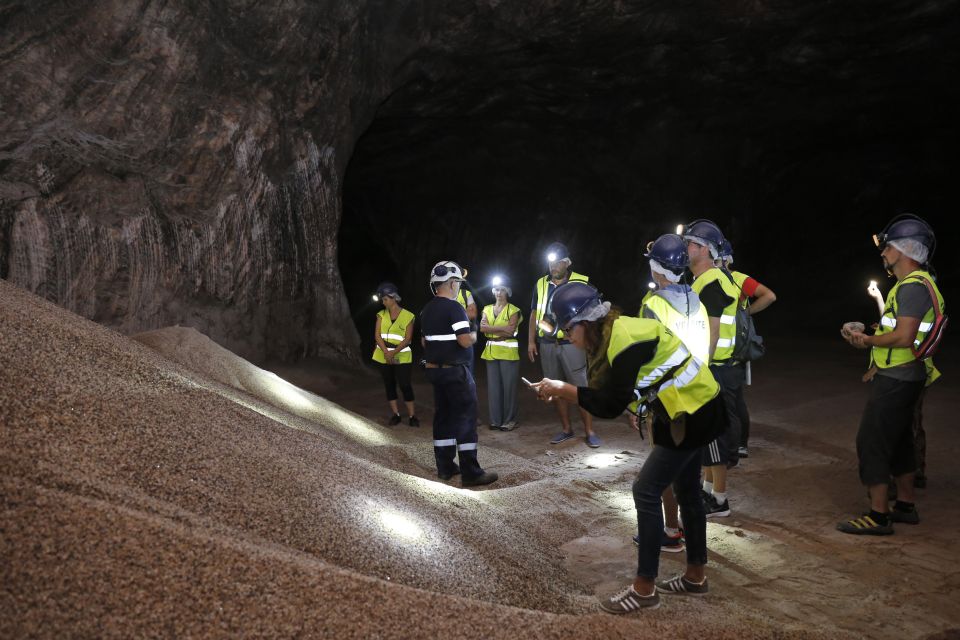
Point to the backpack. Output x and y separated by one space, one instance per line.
931 343
749 344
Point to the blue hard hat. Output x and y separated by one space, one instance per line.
559 250
704 231
572 299
906 226
726 249
670 252
388 289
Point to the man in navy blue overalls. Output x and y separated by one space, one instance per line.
448 348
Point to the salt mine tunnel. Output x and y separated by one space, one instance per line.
198 199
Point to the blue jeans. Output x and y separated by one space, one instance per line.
681 468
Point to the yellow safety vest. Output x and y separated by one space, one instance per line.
393 332
728 320
693 331
543 287
740 278
680 381
885 357
498 347
462 298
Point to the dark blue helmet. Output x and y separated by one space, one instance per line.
570 300
905 226
388 289
704 232
670 252
500 282
726 250
558 251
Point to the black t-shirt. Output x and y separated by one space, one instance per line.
441 321
714 299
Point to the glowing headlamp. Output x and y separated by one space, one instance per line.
497 281
880 240
376 298
551 257
679 229
652 285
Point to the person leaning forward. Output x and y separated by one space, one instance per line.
909 327
558 358
447 346
633 358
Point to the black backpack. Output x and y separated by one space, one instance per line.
749 344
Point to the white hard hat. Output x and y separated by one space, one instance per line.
446 270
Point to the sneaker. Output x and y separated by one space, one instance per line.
494 427
628 601
672 544
484 478
414 421
716 509
904 517
447 476
394 420
592 441
510 426
865 526
668 543
563 436
679 584
743 453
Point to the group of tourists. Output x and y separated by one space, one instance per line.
678 368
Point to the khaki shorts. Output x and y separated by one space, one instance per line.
563 362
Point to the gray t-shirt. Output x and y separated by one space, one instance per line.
913 301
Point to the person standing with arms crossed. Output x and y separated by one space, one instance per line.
559 359
499 322
393 334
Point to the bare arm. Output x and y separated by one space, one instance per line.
472 311
763 298
532 337
467 339
902 336
714 334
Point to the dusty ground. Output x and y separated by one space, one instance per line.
164 487
778 554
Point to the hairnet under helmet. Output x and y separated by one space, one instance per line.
904 228
706 233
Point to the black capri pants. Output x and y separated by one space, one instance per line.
885 439
394 374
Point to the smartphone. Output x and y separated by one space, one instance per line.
526 382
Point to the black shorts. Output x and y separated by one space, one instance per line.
885 439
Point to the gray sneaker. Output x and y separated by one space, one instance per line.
679 584
628 601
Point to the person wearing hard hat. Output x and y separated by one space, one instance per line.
559 359
393 334
754 298
720 297
636 361
447 346
675 304
499 322
909 332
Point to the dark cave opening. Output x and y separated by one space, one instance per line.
798 163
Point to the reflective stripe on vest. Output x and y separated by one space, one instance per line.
543 287
885 357
499 347
693 331
393 332
727 338
691 385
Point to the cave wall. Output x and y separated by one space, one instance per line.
184 161
179 163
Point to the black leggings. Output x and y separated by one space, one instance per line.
393 374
